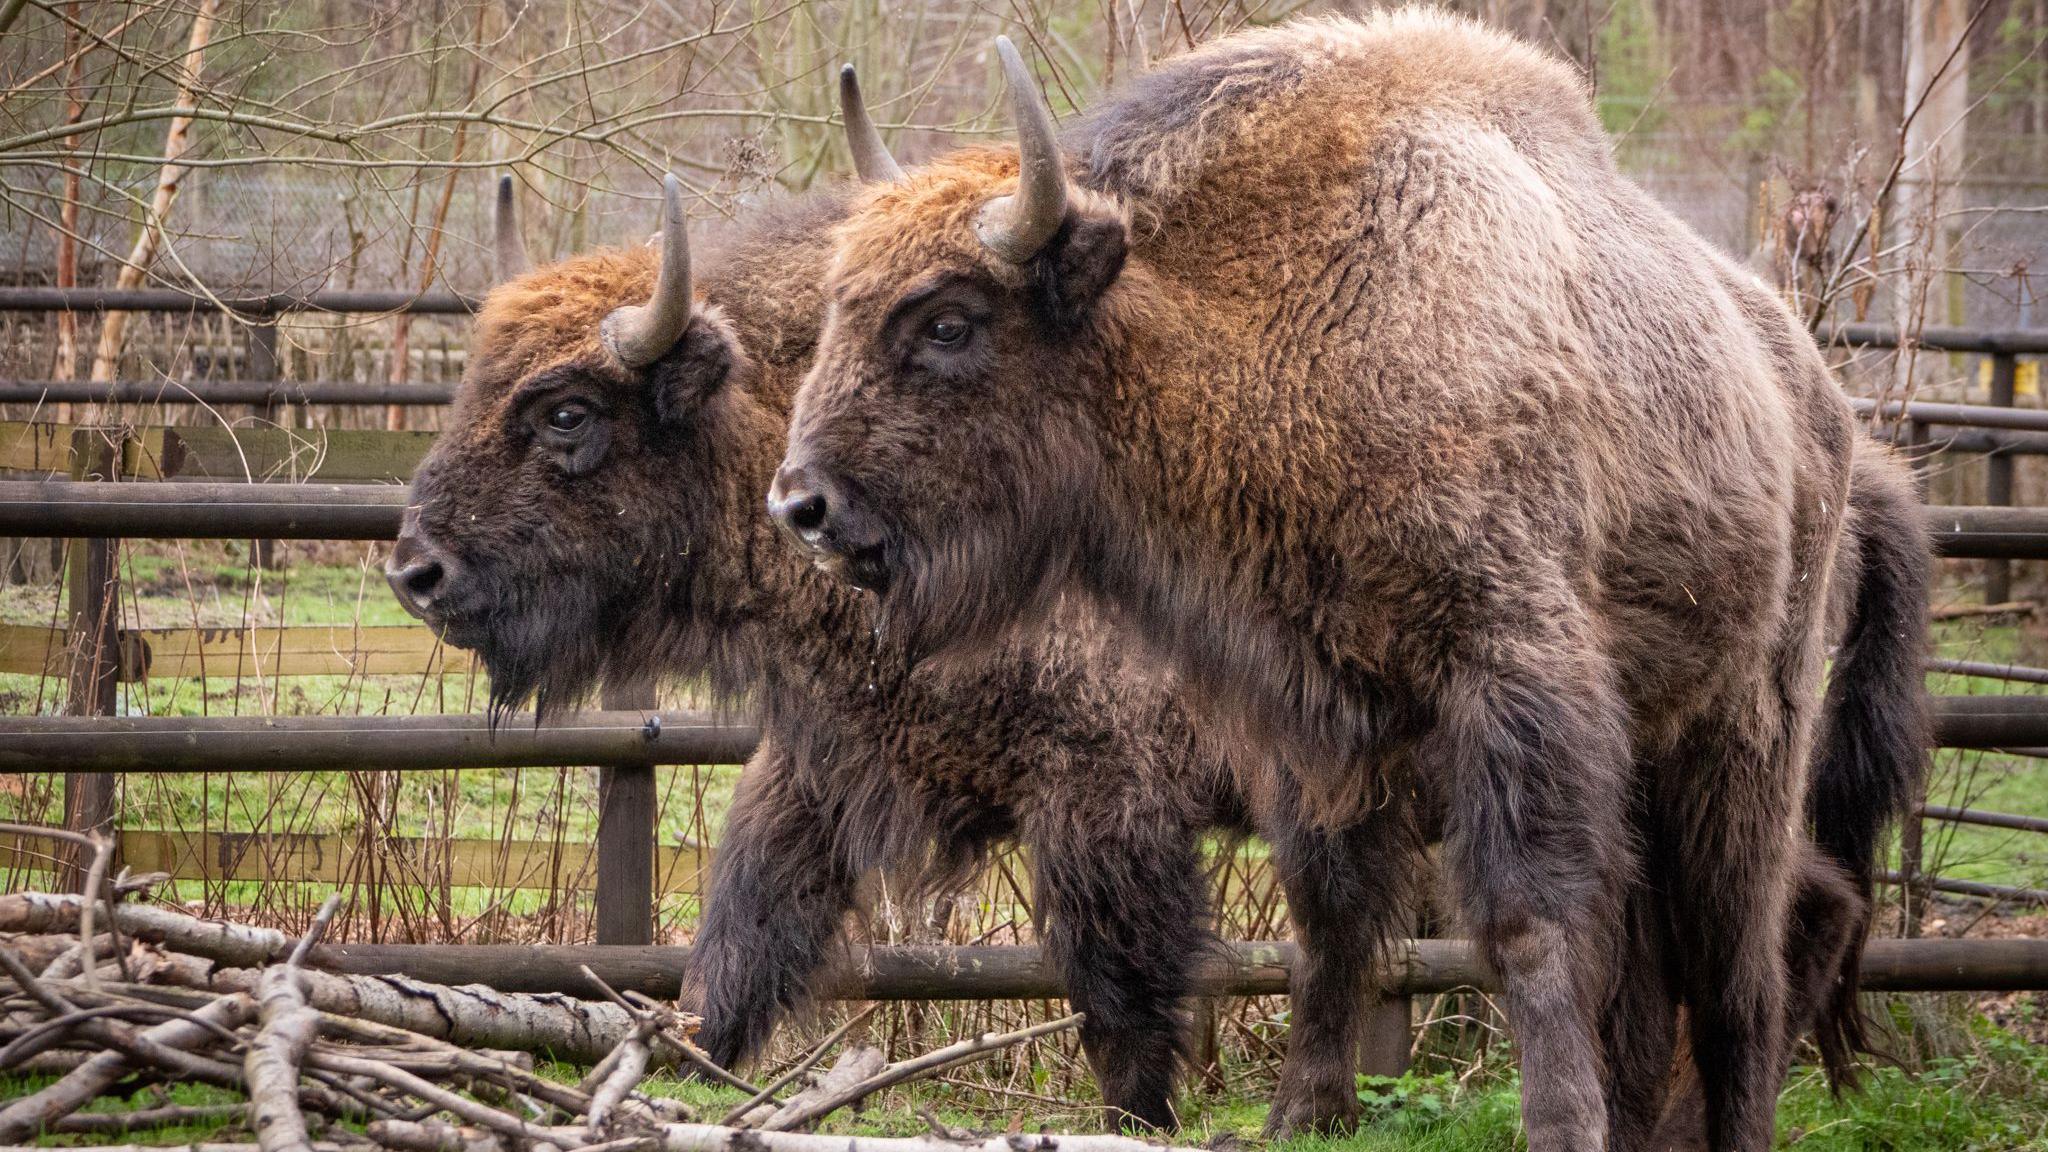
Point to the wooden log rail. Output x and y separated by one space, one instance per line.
265 304
403 743
1959 415
1249 968
1940 338
371 512
223 392
388 743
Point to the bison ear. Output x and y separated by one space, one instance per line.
706 359
1077 266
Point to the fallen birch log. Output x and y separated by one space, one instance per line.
242 945
472 1015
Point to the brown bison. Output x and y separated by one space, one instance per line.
519 561
593 514
1338 361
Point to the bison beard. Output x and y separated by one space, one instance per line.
1366 391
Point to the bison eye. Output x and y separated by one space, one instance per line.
947 329
568 417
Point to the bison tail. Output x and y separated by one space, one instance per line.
1872 753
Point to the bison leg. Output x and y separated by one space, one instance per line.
1348 892
1826 914
1537 837
1123 915
1730 852
778 897
1640 1030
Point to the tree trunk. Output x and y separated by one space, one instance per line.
1937 81
106 359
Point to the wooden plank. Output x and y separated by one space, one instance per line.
33 650
212 452
327 858
42 448
304 650
270 454
188 653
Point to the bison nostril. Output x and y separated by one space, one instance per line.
419 583
423 578
805 511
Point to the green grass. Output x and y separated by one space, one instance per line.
1993 1099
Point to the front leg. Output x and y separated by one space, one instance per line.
1123 915
779 895
1348 893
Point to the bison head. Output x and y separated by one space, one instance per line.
941 453
568 485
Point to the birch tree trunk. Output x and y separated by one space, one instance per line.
1938 66
106 359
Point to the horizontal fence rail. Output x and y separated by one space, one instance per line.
1255 968
1974 441
1959 415
222 392
2002 893
1989 533
390 743
199 510
320 743
1990 341
1985 819
2017 673
266 304
2011 342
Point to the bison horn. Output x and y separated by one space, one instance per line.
639 334
871 159
1017 227
508 248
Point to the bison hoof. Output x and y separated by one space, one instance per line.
1301 1109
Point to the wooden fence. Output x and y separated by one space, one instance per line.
97 485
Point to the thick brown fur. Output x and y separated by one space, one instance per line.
1417 439
650 555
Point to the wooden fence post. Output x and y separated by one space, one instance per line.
263 365
1998 477
92 618
1913 888
626 803
1389 1034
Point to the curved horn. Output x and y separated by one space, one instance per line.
1016 227
871 159
639 334
508 247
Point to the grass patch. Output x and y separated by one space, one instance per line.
1992 1099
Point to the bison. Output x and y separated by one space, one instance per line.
593 515
544 548
1338 362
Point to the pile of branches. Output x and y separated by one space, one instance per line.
103 996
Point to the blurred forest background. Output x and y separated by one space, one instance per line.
350 142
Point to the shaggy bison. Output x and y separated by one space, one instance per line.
594 514
1338 361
